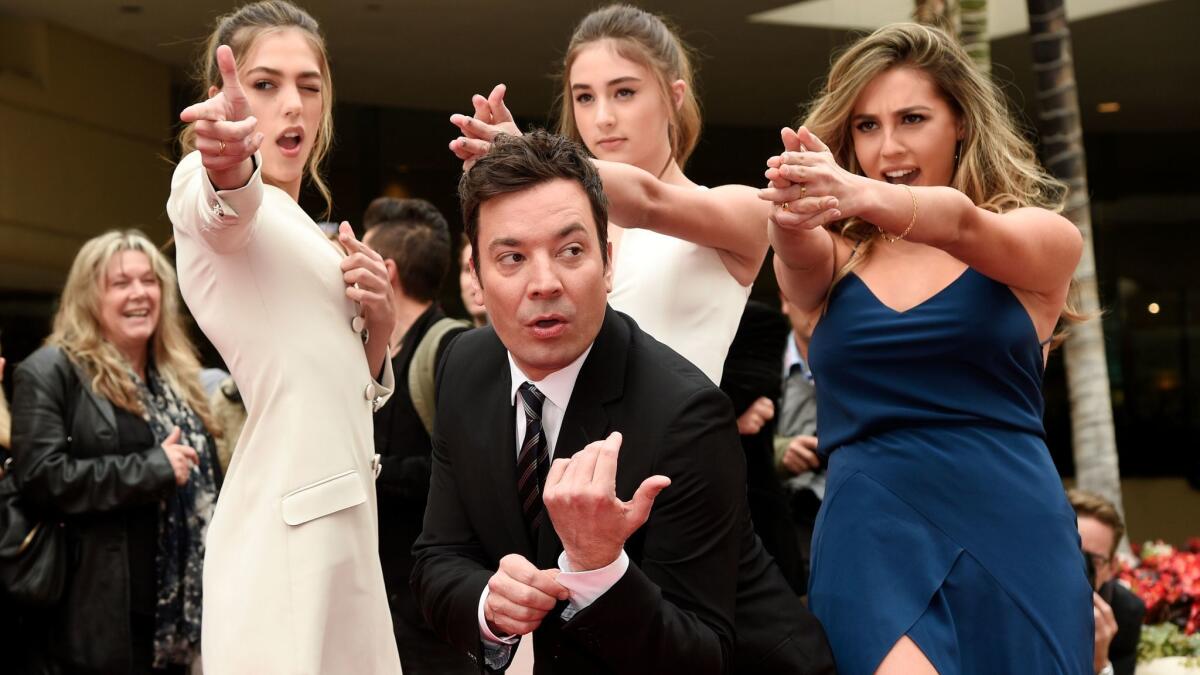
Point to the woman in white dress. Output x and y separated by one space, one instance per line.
292 578
684 257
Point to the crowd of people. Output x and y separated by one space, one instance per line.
616 454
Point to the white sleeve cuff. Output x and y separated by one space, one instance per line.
229 207
587 587
486 633
222 220
386 384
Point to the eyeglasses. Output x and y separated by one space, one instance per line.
1099 560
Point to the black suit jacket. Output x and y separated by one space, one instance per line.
403 484
1129 611
674 609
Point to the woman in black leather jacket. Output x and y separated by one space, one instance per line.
111 437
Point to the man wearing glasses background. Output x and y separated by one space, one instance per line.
1117 610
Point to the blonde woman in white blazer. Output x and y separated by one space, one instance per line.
292 578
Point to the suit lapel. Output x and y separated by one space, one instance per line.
600 382
498 441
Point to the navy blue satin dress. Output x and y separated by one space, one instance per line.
944 518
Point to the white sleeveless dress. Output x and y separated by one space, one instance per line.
680 293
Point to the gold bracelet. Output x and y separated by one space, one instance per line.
891 238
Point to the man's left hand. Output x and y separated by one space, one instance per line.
581 500
1106 630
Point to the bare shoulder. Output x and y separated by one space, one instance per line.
1045 220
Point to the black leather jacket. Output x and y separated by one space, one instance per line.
65 447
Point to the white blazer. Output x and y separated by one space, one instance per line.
292 583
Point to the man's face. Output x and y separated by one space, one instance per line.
542 274
1098 543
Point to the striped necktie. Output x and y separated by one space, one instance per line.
533 462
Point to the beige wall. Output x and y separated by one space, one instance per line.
84 136
1161 508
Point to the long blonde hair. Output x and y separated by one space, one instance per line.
77 330
997 166
240 29
646 39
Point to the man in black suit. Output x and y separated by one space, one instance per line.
511 546
1117 611
413 239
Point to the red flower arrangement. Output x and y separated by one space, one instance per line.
1168 581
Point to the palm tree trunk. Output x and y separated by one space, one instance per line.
964 19
973 32
942 14
1093 438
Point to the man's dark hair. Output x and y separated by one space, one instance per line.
516 163
414 234
1093 505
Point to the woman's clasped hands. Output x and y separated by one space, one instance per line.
807 185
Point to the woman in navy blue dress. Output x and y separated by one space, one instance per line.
913 214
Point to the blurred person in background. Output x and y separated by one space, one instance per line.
111 434
11 617
796 457
5 421
229 412
751 380
414 240
1117 610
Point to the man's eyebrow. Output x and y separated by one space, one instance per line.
500 242
513 242
571 229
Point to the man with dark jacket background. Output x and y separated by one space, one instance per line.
1118 611
412 237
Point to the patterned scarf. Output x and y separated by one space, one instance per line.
182 523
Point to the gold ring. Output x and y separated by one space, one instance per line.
783 206
803 190
221 150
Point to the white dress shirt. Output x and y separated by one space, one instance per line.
584 587
792 357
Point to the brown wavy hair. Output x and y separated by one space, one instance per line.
240 29
997 166
77 330
647 39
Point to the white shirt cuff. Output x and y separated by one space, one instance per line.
386 384
485 632
587 587
226 205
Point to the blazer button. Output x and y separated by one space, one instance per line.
358 323
217 210
369 392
